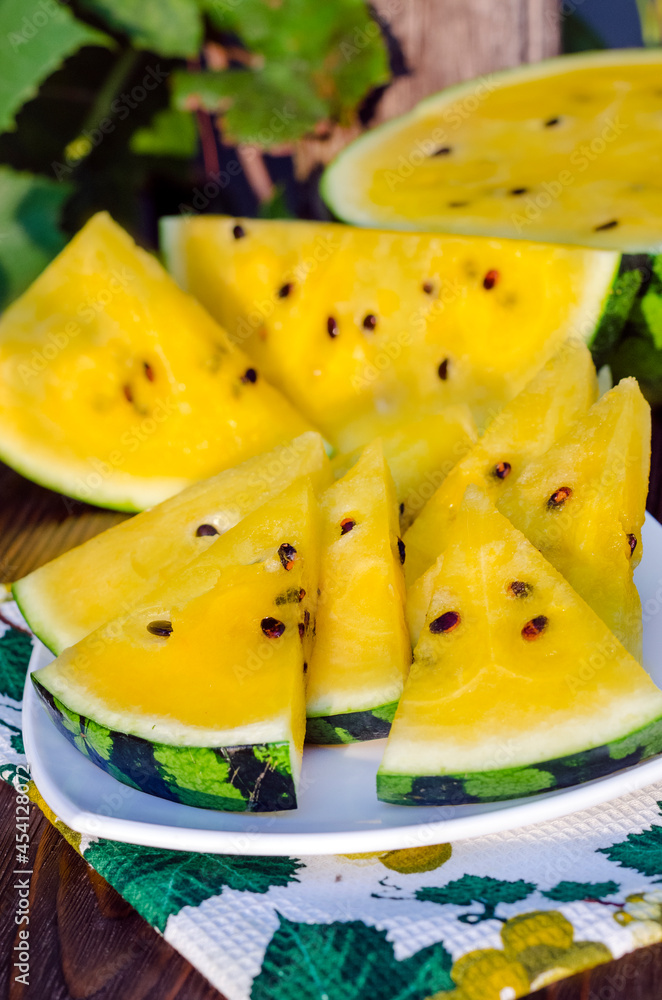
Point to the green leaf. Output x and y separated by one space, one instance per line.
346 961
577 35
168 27
160 882
15 651
29 235
477 889
570 892
650 15
35 38
170 133
641 851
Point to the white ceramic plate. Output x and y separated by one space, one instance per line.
338 812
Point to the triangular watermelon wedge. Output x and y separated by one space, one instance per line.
517 686
197 695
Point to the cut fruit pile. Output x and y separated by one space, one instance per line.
391 441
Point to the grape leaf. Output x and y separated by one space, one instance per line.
160 882
168 27
308 62
29 235
488 892
346 961
570 892
641 851
170 133
35 38
15 651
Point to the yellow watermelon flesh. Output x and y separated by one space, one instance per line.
565 151
547 408
71 596
582 504
119 389
366 330
517 686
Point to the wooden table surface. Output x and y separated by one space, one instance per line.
86 942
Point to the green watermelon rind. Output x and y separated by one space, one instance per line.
339 178
351 727
518 782
33 617
247 778
617 306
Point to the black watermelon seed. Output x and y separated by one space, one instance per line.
428 287
346 525
442 370
287 554
401 550
502 469
238 232
632 541
206 529
559 497
331 327
402 508
250 375
306 618
272 628
458 204
518 191
305 668
443 151
160 627
490 280
606 225
535 628
149 371
369 321
445 623
520 589
128 393
285 290
551 122
302 630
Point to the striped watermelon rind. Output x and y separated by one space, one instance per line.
519 782
351 727
250 778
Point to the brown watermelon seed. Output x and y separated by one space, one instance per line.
551 122
632 540
160 627
369 321
518 191
302 630
346 525
306 618
502 470
250 375
428 287
285 290
332 327
272 628
535 628
401 551
445 623
443 151
606 225
402 508
206 529
128 393
442 370
302 594
520 589
490 280
238 232
149 371
559 497
287 554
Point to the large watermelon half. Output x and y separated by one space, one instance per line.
566 151
363 330
119 389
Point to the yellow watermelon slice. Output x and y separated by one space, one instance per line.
197 694
119 389
366 330
565 151
517 686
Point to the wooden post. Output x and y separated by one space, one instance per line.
443 42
